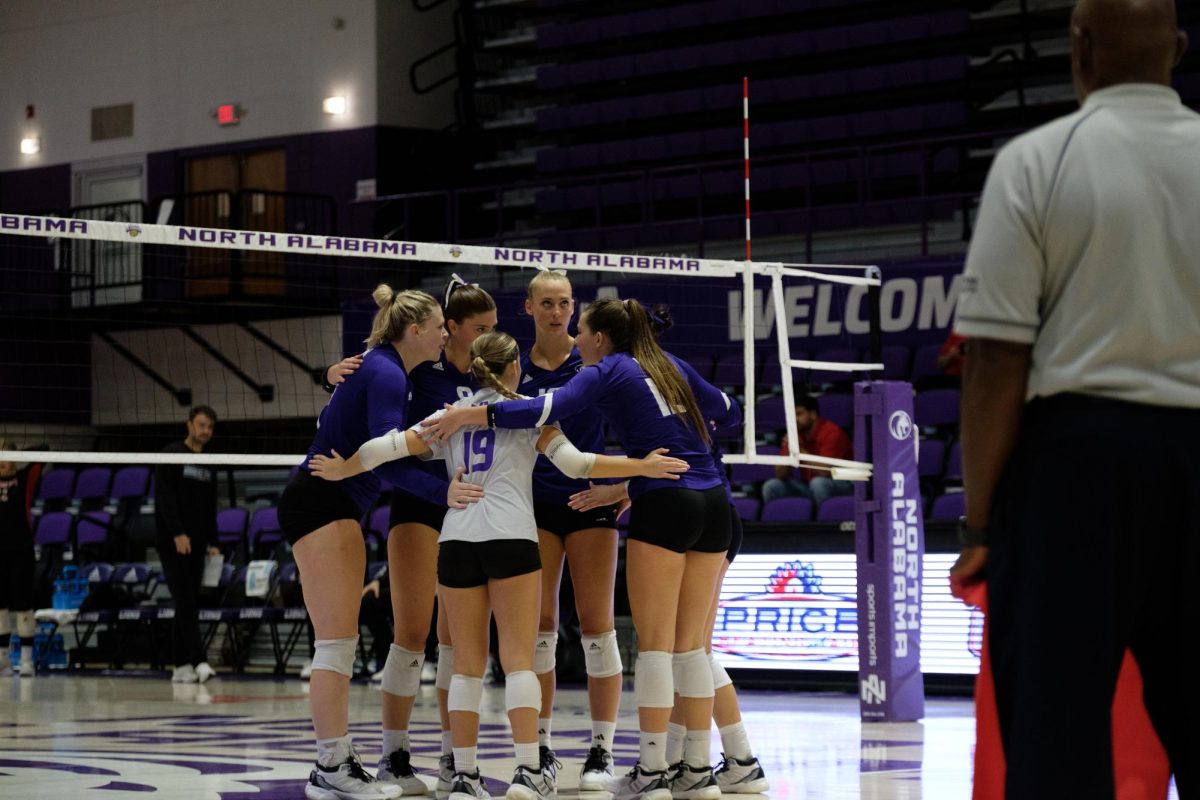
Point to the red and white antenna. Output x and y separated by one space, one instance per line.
746 153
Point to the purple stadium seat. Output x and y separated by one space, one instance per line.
264 529
836 509
729 371
895 362
839 409
130 482
954 463
92 528
930 457
93 483
936 408
924 366
54 527
56 484
770 414
746 507
231 526
788 509
949 507
743 474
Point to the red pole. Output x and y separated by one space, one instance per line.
746 153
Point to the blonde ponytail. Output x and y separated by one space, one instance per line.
491 354
398 310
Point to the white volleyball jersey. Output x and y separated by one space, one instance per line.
499 460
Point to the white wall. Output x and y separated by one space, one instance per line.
123 395
177 60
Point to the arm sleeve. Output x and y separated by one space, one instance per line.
575 395
167 478
1005 269
389 447
564 455
714 404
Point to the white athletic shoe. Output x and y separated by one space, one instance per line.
530 784
445 776
204 672
396 768
347 781
468 786
306 670
597 770
735 776
26 670
549 766
641 784
184 674
694 783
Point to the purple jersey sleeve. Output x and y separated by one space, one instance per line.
714 404
385 414
576 395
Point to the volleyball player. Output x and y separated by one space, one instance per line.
321 521
586 540
678 534
739 771
489 558
17 562
419 505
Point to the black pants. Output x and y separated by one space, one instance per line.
1096 549
183 574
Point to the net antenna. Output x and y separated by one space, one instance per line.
57 228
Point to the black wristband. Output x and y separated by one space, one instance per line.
972 537
491 415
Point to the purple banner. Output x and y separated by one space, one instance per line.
917 303
890 544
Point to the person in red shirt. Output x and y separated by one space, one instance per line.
818 437
953 355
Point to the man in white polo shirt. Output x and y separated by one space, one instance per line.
1081 409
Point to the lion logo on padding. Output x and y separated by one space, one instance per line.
901 425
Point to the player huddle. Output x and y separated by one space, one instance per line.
497 462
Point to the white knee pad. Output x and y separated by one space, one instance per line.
652 683
335 655
5 622
720 676
445 667
466 693
543 652
693 674
602 656
26 627
402 671
522 690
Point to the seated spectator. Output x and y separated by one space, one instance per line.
818 437
952 355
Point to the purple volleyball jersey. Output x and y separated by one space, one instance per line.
620 390
434 383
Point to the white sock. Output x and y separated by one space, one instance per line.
447 742
26 652
331 752
544 726
697 748
527 755
675 734
394 740
603 733
653 750
734 741
464 759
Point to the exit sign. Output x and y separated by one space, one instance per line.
229 114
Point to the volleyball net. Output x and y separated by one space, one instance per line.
112 330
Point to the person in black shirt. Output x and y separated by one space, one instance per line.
185 511
17 561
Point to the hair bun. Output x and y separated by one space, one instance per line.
383 295
660 318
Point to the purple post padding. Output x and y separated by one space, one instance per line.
890 545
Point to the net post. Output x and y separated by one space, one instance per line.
785 360
890 550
